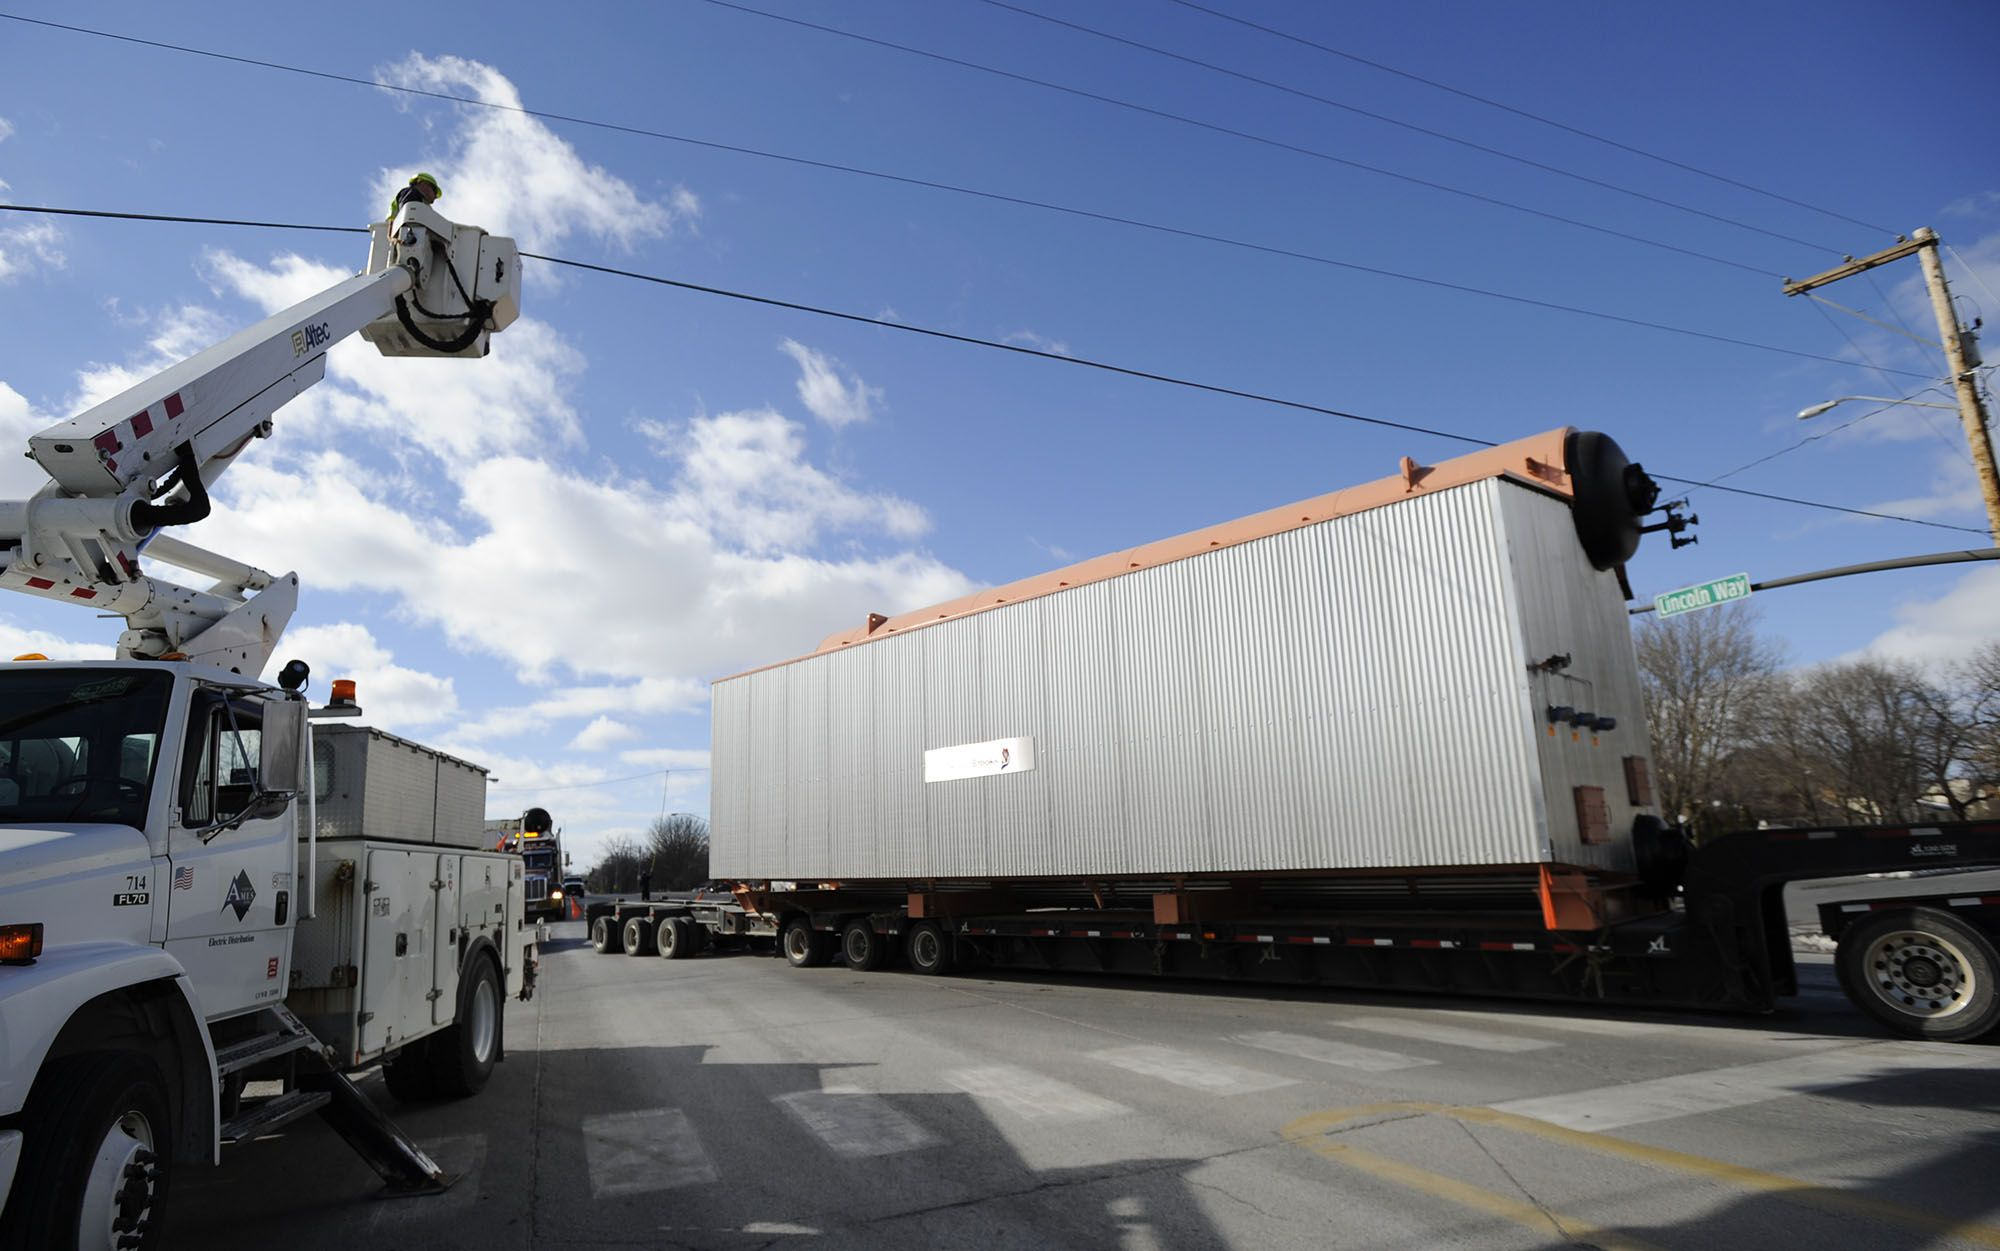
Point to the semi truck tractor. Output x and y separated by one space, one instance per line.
1389 737
199 890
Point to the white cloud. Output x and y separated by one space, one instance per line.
834 400
602 733
19 476
392 696
1946 628
746 476
18 640
6 129
1040 343
31 246
514 176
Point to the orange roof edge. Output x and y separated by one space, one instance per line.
1536 461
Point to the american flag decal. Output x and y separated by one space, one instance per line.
184 877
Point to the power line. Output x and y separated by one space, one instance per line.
1353 266
907 179
1533 117
1021 350
1319 154
1413 127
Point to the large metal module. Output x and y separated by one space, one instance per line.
1366 680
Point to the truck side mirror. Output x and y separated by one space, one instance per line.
282 762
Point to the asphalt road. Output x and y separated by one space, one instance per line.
730 1101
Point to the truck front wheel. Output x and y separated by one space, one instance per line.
97 1156
605 937
1923 973
462 1055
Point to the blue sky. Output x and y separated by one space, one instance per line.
539 560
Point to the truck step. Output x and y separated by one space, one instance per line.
241 1055
271 1113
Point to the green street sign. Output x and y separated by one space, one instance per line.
1707 595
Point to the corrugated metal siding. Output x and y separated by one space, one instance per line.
729 782
1566 606
808 736
1349 694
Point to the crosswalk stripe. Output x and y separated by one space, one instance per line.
1606 1027
1032 1096
1449 1035
1192 1072
855 1124
1326 1051
643 1151
1664 1098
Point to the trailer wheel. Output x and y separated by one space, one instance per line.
1923 973
99 1156
804 946
463 1054
605 937
638 937
675 938
930 949
862 948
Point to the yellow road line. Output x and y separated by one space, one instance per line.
1541 1220
1307 1132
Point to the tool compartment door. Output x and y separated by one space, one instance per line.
450 941
398 938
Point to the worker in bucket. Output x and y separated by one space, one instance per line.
423 188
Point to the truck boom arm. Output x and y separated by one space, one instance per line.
122 470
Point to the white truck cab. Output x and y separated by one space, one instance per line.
176 920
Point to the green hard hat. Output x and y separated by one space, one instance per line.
432 181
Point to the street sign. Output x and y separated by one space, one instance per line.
1707 595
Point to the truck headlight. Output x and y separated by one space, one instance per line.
556 893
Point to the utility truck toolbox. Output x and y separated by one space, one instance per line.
376 785
1431 670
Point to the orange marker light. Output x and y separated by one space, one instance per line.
31 656
20 943
343 690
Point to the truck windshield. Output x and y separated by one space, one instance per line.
79 744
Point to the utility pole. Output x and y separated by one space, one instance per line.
1959 351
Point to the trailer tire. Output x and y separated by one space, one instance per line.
409 1076
803 946
861 947
675 938
99 1137
463 1054
1922 972
930 949
605 937
637 937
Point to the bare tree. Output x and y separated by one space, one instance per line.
1707 678
678 845
1975 683
617 868
1864 741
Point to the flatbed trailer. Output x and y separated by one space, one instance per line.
1708 931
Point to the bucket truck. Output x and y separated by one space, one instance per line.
196 895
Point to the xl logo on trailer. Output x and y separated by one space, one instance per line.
979 760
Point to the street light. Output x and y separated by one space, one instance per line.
1817 409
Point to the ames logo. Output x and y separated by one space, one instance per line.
310 338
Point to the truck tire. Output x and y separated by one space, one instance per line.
1922 972
930 949
605 937
462 1055
861 947
97 1158
637 937
409 1076
804 947
675 938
